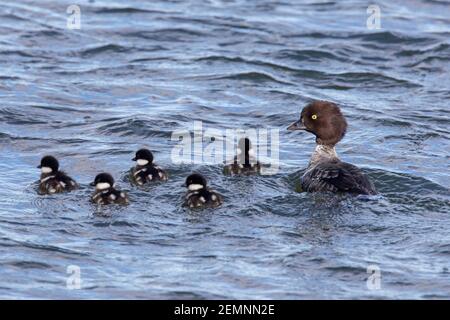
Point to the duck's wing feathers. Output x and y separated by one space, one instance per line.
111 195
203 198
337 176
148 174
66 182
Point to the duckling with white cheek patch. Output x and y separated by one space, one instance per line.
105 193
145 170
326 172
199 195
52 180
245 162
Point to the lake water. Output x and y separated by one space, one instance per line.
137 71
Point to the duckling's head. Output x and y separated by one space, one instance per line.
245 147
49 164
103 181
195 182
143 157
324 119
245 151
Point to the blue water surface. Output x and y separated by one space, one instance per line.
137 71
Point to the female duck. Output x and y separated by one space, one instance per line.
326 172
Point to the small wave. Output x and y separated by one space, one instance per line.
356 271
6 78
310 55
50 248
252 76
374 80
16 53
387 181
125 10
444 249
391 122
429 61
123 223
319 35
415 137
139 127
90 52
420 203
4 136
44 33
442 47
259 63
388 37
12 16
190 295
167 34
54 108
29 265
13 116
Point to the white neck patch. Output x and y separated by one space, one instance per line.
142 162
195 187
46 170
47 178
102 186
323 152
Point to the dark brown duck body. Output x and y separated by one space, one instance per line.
336 176
326 172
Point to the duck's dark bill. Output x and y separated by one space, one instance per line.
297 125
92 184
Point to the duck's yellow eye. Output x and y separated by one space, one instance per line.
314 116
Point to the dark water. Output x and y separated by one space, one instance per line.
136 71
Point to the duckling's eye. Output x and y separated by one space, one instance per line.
314 116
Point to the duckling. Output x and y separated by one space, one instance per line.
199 195
105 192
244 162
326 172
145 170
52 180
